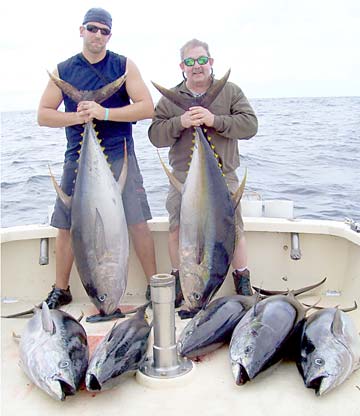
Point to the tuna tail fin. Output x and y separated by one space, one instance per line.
99 95
66 199
175 182
350 309
239 192
185 102
123 174
214 91
295 292
17 315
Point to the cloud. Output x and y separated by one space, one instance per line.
275 49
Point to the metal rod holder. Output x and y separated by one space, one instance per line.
295 252
166 363
44 252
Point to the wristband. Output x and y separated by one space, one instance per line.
106 118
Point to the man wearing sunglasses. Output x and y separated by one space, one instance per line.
228 119
92 69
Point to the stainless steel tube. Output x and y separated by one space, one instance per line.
295 252
163 298
166 363
44 252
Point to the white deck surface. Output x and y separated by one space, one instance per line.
329 249
209 390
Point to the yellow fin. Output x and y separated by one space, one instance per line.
239 192
174 181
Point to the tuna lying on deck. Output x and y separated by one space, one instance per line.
329 350
120 353
213 326
54 352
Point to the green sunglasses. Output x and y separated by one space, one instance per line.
201 60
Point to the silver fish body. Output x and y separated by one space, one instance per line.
99 231
120 353
54 352
212 327
329 350
262 336
207 227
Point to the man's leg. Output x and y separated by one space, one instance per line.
64 258
144 247
240 254
173 246
60 293
241 274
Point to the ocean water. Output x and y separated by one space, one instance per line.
307 150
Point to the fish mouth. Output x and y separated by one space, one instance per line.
67 389
315 384
92 383
240 374
60 389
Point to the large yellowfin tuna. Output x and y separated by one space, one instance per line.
264 335
54 352
329 350
207 216
99 231
120 353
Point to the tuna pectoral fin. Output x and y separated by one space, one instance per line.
99 95
123 174
337 326
66 199
100 241
46 320
175 182
239 193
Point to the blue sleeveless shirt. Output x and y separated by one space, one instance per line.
77 72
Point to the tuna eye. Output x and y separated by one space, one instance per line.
248 349
189 332
64 364
102 297
196 296
319 361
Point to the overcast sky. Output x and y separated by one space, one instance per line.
275 48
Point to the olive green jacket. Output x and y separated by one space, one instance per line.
234 120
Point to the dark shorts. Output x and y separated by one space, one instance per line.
135 202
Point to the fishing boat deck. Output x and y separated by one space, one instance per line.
210 387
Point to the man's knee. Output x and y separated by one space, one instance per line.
140 229
174 232
63 234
